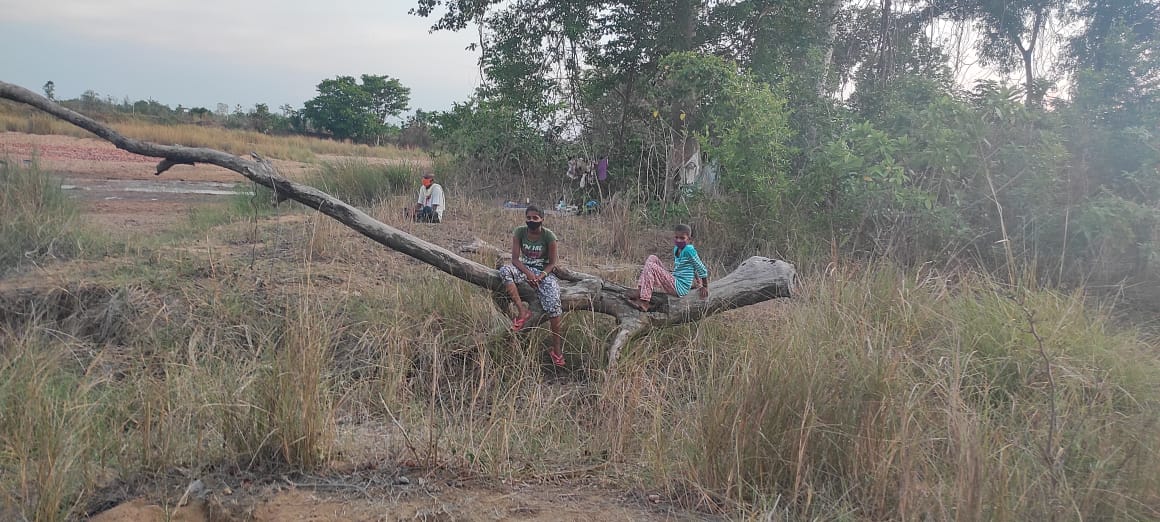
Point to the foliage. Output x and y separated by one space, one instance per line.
884 154
492 142
350 110
974 175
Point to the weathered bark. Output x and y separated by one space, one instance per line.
885 40
1028 54
829 19
757 279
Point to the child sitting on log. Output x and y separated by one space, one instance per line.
688 272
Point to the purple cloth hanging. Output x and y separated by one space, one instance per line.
602 169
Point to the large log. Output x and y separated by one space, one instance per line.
755 280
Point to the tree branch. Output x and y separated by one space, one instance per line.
755 280
263 173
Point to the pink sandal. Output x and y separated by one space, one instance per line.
519 322
557 359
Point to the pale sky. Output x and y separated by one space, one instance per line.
205 52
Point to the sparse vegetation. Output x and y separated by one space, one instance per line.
879 393
241 142
360 182
37 220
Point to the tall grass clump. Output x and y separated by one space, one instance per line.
360 182
37 219
234 382
275 399
882 396
48 436
297 394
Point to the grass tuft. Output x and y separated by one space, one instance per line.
359 182
37 219
902 400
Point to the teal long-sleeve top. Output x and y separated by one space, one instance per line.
687 264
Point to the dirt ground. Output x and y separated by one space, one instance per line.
119 191
443 500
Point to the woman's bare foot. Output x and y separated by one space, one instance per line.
643 306
633 294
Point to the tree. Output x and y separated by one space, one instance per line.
389 98
587 65
1011 30
50 90
1116 61
357 111
756 280
261 119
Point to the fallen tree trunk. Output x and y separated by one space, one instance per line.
755 280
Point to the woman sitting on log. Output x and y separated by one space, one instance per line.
533 259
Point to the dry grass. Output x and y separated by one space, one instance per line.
37 220
876 394
294 148
884 396
361 183
48 434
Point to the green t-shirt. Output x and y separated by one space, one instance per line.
534 253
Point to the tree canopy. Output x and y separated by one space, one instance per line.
352 110
919 129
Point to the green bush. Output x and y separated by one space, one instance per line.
496 145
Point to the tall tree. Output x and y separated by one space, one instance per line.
1115 65
350 110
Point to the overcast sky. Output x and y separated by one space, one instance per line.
205 52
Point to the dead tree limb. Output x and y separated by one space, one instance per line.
755 280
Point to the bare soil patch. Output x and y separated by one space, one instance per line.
94 159
421 499
119 189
